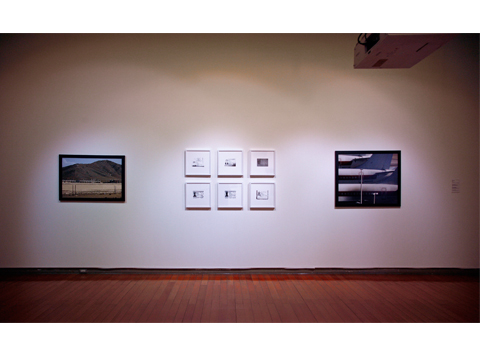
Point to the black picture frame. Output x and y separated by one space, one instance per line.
85 178
367 178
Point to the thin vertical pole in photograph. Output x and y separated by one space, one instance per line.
361 186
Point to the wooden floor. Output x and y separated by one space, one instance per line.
239 298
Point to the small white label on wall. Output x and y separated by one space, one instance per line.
455 186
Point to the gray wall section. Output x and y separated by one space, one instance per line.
151 97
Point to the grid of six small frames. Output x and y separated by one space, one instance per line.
230 169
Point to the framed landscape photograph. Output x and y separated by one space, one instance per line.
367 178
230 163
262 196
262 163
197 163
92 177
197 196
229 196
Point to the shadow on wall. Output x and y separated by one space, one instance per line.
259 56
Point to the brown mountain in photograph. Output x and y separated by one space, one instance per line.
102 170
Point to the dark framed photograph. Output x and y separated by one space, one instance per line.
92 177
367 178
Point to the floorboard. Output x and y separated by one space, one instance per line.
242 298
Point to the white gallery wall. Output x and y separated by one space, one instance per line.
151 97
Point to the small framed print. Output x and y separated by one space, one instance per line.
230 163
197 163
230 196
197 196
92 178
262 196
262 163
